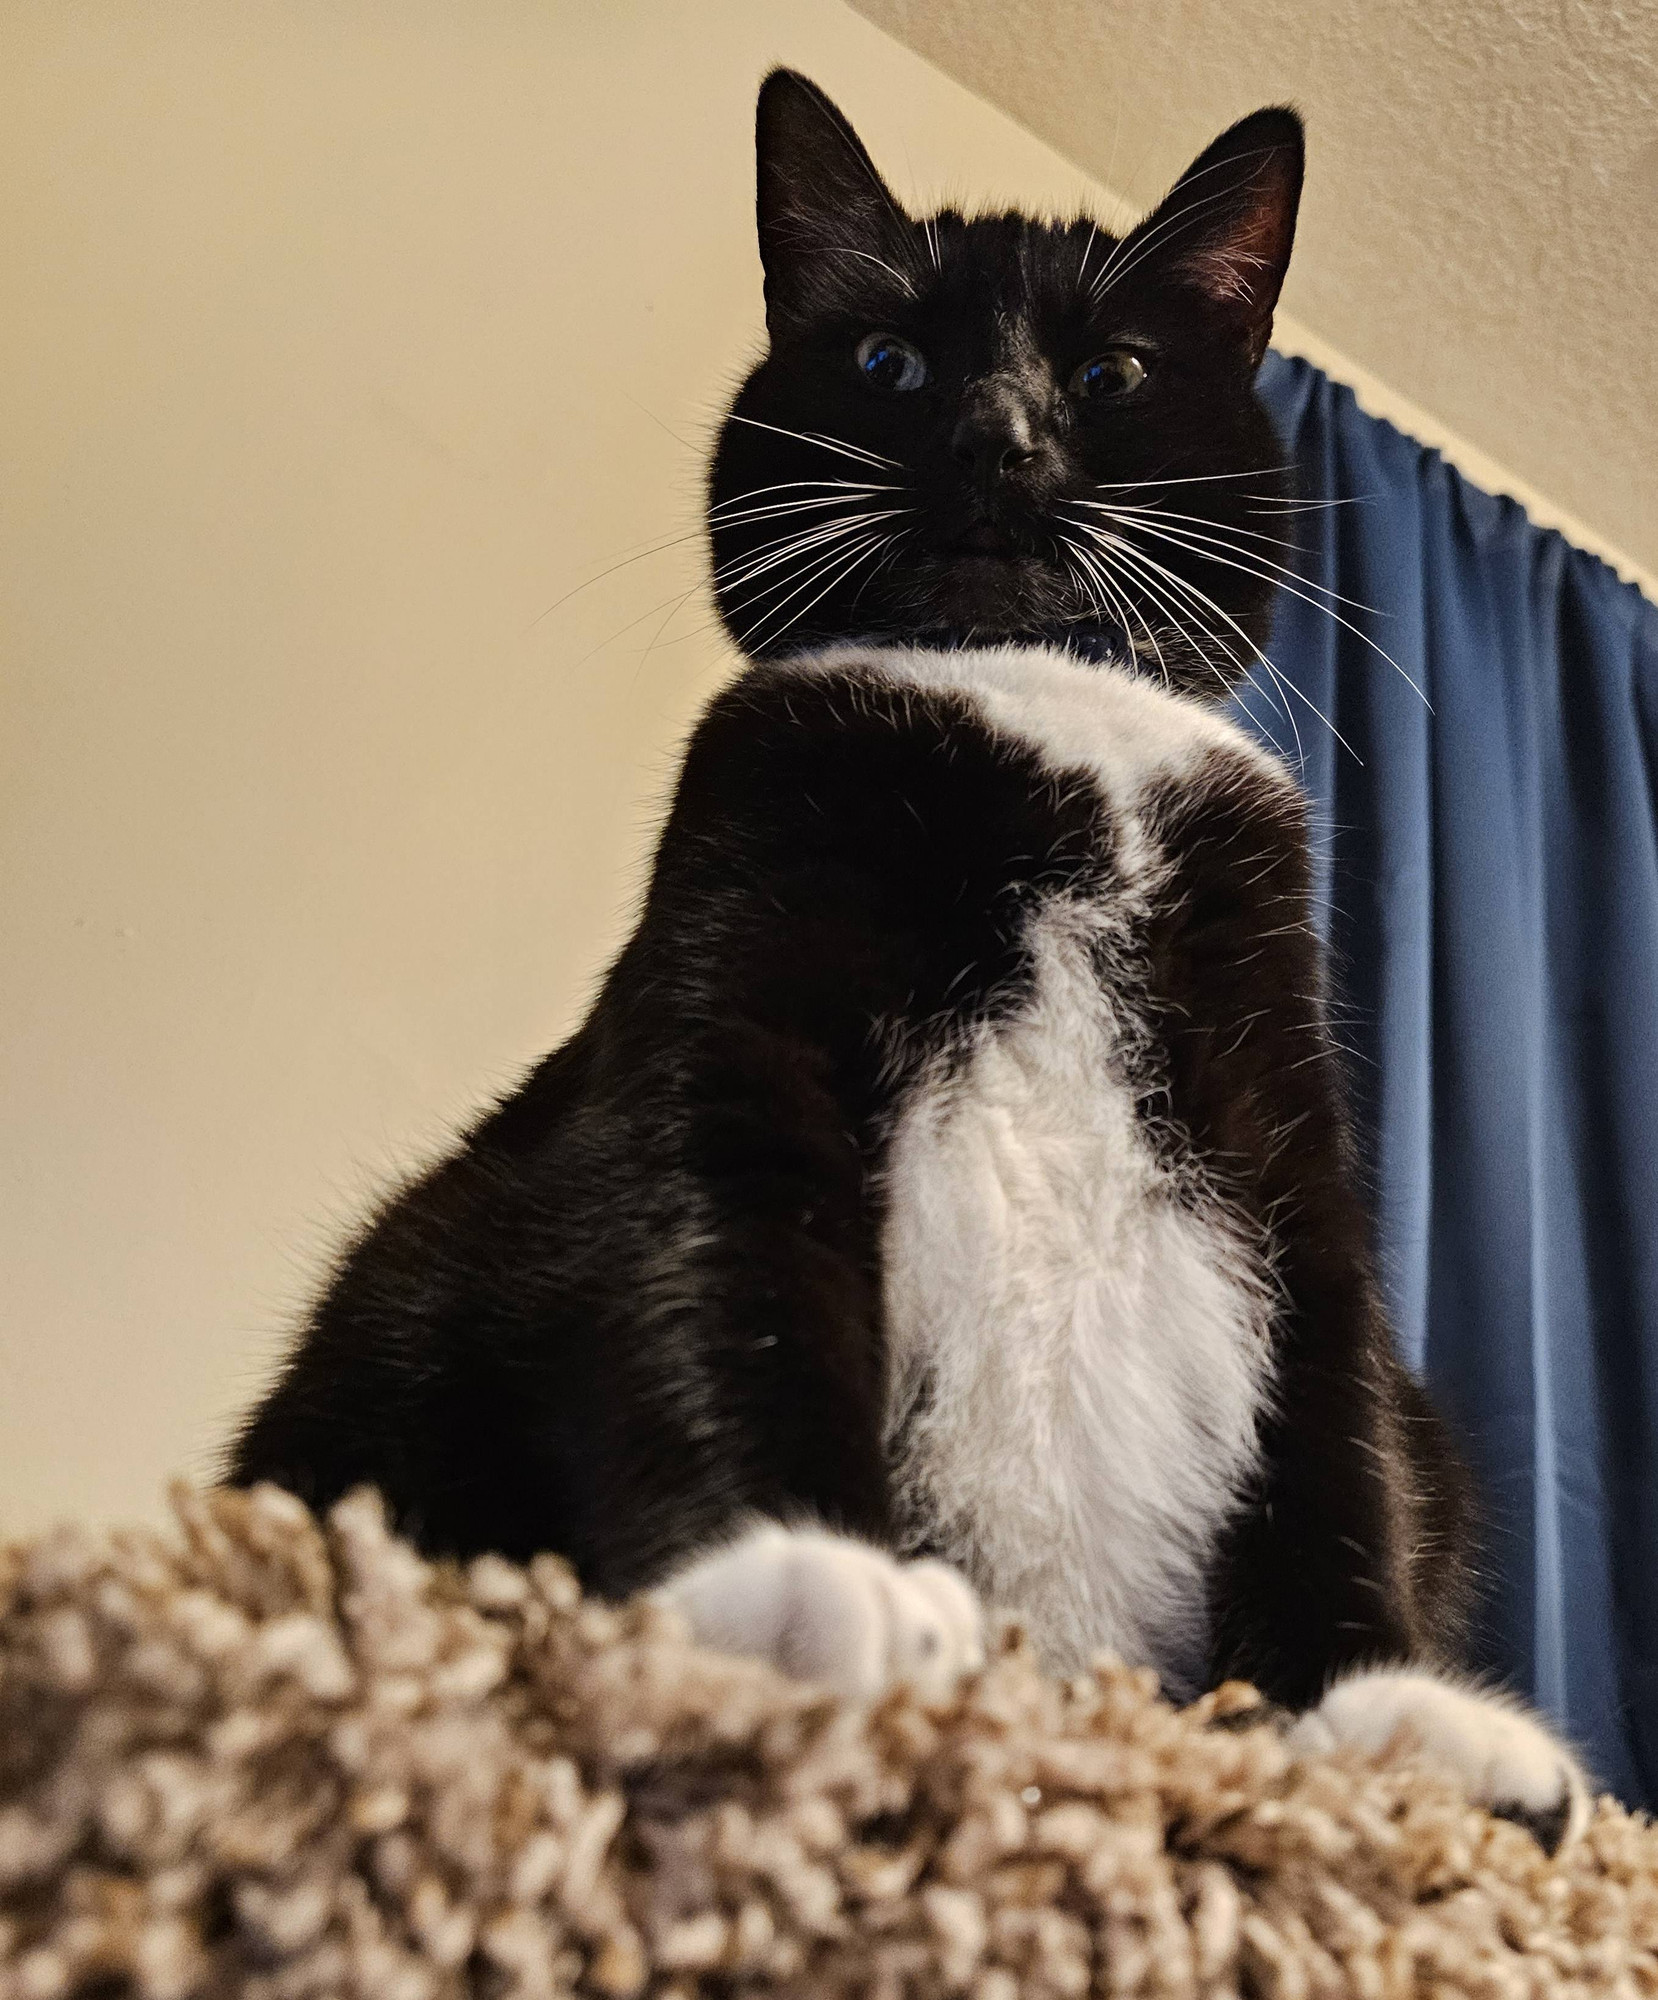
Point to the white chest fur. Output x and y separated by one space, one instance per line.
1078 1347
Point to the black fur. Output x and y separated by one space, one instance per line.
1355 1546
643 1298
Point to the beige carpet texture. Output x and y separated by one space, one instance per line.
273 1757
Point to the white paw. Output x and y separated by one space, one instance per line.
1504 1757
825 1608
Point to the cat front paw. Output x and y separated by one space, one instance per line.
1504 1757
826 1608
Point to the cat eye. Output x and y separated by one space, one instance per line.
1116 372
886 362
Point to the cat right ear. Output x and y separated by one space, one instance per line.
831 232
1227 225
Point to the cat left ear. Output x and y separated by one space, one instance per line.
1227 225
831 230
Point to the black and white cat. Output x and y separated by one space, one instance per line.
948 1200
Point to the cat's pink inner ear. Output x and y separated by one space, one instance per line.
1227 226
1231 272
1242 262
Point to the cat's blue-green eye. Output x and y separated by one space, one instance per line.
1119 371
886 362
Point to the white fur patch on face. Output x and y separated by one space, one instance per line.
1077 1334
823 1607
1502 1755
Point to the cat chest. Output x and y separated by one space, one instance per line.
1077 1335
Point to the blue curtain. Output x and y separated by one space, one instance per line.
1487 873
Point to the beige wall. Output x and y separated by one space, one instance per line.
339 341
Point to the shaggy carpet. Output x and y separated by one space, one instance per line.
269 1757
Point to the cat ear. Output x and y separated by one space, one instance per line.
831 231
1226 226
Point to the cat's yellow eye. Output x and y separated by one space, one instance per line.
886 362
1116 372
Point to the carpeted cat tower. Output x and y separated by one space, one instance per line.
273 1758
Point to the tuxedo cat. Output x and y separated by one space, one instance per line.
948 1200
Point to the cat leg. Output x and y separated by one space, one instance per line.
1503 1755
826 1608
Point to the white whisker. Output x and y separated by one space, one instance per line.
847 560
765 554
650 612
795 578
869 257
813 437
1157 481
1258 569
857 596
1131 252
1126 600
741 570
833 486
1134 552
1209 531
1101 594
1087 252
638 554
1108 560
1115 272
1156 513
1148 582
1289 506
781 509
1170 579
740 576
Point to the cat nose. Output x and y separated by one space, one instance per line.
990 451
993 435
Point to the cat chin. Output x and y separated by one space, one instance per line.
995 597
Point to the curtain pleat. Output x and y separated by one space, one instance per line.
1486 867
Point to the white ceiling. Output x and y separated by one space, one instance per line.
1480 228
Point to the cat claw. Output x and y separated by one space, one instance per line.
823 1607
1503 1756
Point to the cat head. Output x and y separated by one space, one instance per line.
999 427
